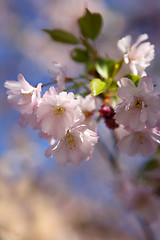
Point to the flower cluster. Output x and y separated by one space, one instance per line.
66 121
139 111
139 114
59 117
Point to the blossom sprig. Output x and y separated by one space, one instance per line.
69 121
62 119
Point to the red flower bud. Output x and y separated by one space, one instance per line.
106 111
111 123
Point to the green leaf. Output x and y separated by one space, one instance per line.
90 24
98 86
134 78
62 36
80 55
113 86
104 67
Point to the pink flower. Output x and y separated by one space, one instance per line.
139 55
29 119
22 96
140 105
88 105
138 142
76 145
60 72
158 123
58 112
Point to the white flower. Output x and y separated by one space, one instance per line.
76 145
140 105
60 72
29 119
138 142
58 112
88 105
22 96
139 55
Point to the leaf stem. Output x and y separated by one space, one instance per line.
48 84
90 48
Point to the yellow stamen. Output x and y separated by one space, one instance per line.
139 103
59 110
30 93
140 138
70 140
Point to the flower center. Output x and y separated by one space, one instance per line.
139 103
88 114
27 93
140 137
70 141
59 110
132 57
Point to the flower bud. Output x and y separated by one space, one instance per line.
106 111
111 123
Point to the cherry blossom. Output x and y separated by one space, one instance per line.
29 119
76 145
88 105
22 96
60 72
58 112
139 55
140 105
142 142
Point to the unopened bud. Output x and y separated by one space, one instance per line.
111 123
106 111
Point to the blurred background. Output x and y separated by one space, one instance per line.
38 199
